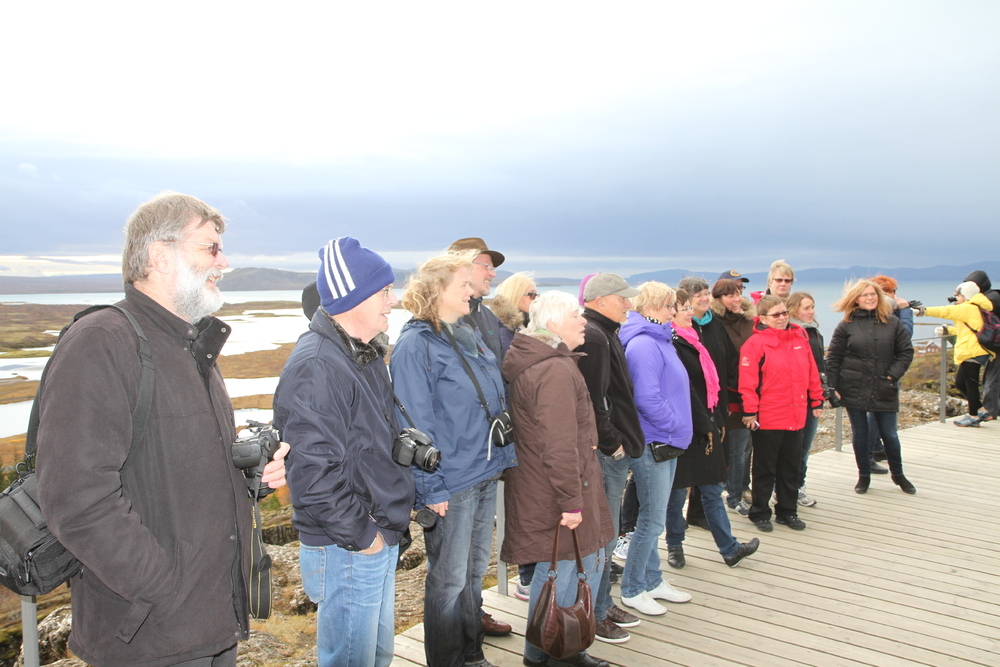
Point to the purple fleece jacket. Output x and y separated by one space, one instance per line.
662 388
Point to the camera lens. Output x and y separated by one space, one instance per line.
427 518
428 458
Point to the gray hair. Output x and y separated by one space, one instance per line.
551 307
162 218
693 284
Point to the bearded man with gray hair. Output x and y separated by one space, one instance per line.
162 527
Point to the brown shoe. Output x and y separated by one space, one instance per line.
608 631
622 618
493 627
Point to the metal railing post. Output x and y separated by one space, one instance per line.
943 402
838 423
29 630
501 566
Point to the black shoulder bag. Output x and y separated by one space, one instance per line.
32 561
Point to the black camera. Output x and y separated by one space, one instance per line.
952 299
501 430
262 442
252 452
413 447
830 395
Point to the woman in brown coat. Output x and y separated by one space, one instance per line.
557 484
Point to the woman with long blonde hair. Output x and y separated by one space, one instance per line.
869 352
511 301
451 386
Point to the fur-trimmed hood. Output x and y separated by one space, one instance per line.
507 313
746 308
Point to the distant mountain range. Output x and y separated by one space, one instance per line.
256 279
758 280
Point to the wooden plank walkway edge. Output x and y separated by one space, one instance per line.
879 579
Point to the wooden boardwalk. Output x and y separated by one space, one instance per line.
879 579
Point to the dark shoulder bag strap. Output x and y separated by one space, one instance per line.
472 376
143 406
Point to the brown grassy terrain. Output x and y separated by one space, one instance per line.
260 364
16 390
240 308
23 324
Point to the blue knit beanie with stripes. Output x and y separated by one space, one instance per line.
349 274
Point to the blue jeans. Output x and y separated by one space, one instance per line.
458 553
356 594
739 463
566 578
615 475
875 445
808 435
715 514
886 422
652 485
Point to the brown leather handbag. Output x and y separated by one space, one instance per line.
562 632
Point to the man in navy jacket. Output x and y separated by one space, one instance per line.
334 405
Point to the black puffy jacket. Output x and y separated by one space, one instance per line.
866 359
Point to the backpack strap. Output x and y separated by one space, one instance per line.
143 406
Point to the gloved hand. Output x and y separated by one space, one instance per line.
941 331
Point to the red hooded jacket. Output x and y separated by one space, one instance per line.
779 380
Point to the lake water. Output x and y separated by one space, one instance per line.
266 333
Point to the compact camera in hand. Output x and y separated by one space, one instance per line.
413 447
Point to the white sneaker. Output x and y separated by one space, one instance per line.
621 549
644 604
804 499
522 592
667 592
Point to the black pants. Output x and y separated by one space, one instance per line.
630 508
777 456
967 382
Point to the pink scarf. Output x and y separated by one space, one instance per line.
707 365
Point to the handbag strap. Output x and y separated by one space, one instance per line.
555 555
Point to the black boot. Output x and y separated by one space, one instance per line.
878 469
904 484
862 485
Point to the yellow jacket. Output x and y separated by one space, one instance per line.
966 347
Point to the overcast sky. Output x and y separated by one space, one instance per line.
573 137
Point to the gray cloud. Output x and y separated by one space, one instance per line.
871 140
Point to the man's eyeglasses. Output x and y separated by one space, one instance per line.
531 295
213 248
387 292
489 267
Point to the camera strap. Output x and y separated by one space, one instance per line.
472 376
395 399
